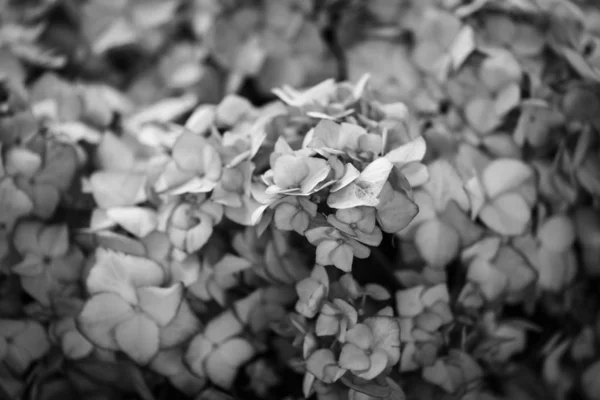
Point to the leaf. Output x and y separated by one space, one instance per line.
363 191
505 174
138 337
437 242
508 214
100 316
161 304
117 189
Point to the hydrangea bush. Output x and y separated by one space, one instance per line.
343 200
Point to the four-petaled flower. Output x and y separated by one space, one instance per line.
371 346
335 247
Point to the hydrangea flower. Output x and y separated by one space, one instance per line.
43 178
335 247
50 263
187 172
220 350
22 342
128 299
371 347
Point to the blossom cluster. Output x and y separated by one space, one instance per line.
424 228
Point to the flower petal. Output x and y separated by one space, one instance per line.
354 358
138 337
100 315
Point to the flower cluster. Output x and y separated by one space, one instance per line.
183 214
